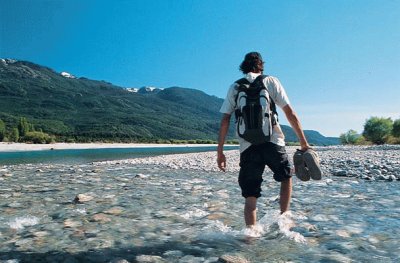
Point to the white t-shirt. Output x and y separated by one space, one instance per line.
275 91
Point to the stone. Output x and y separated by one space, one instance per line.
191 259
114 210
101 218
40 233
141 176
119 260
173 253
391 177
81 198
69 223
150 259
343 233
376 172
232 259
339 173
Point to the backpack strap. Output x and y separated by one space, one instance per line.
272 102
242 81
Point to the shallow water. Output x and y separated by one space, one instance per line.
76 156
190 216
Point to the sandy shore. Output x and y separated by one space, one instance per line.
13 147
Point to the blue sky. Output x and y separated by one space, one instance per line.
339 60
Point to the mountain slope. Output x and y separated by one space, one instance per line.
84 109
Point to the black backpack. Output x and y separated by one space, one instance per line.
255 111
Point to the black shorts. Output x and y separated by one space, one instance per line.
252 165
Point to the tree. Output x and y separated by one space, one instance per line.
349 137
2 130
24 126
14 136
396 128
377 129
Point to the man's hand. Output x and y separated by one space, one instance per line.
305 147
221 160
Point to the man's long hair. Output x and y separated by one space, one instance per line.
252 63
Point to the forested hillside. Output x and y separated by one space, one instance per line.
79 109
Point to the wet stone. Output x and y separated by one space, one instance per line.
119 260
150 259
40 233
81 198
339 172
173 254
69 223
191 259
101 218
232 259
141 176
114 211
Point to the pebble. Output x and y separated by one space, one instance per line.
69 223
119 260
232 259
114 211
101 218
339 173
191 259
150 259
141 176
81 198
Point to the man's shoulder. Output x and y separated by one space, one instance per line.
270 79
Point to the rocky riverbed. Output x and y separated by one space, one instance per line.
368 162
180 208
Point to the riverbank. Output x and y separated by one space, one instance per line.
366 162
15 147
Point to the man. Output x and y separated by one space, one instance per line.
253 158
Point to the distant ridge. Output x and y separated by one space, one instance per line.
89 110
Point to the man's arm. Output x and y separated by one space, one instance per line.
295 123
221 160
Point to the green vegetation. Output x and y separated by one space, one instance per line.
24 126
2 130
14 135
38 137
376 131
349 137
396 128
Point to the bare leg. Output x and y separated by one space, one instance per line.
286 192
250 213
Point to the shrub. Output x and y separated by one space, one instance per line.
396 128
349 137
377 129
393 140
362 141
38 137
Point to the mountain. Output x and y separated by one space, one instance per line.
85 110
